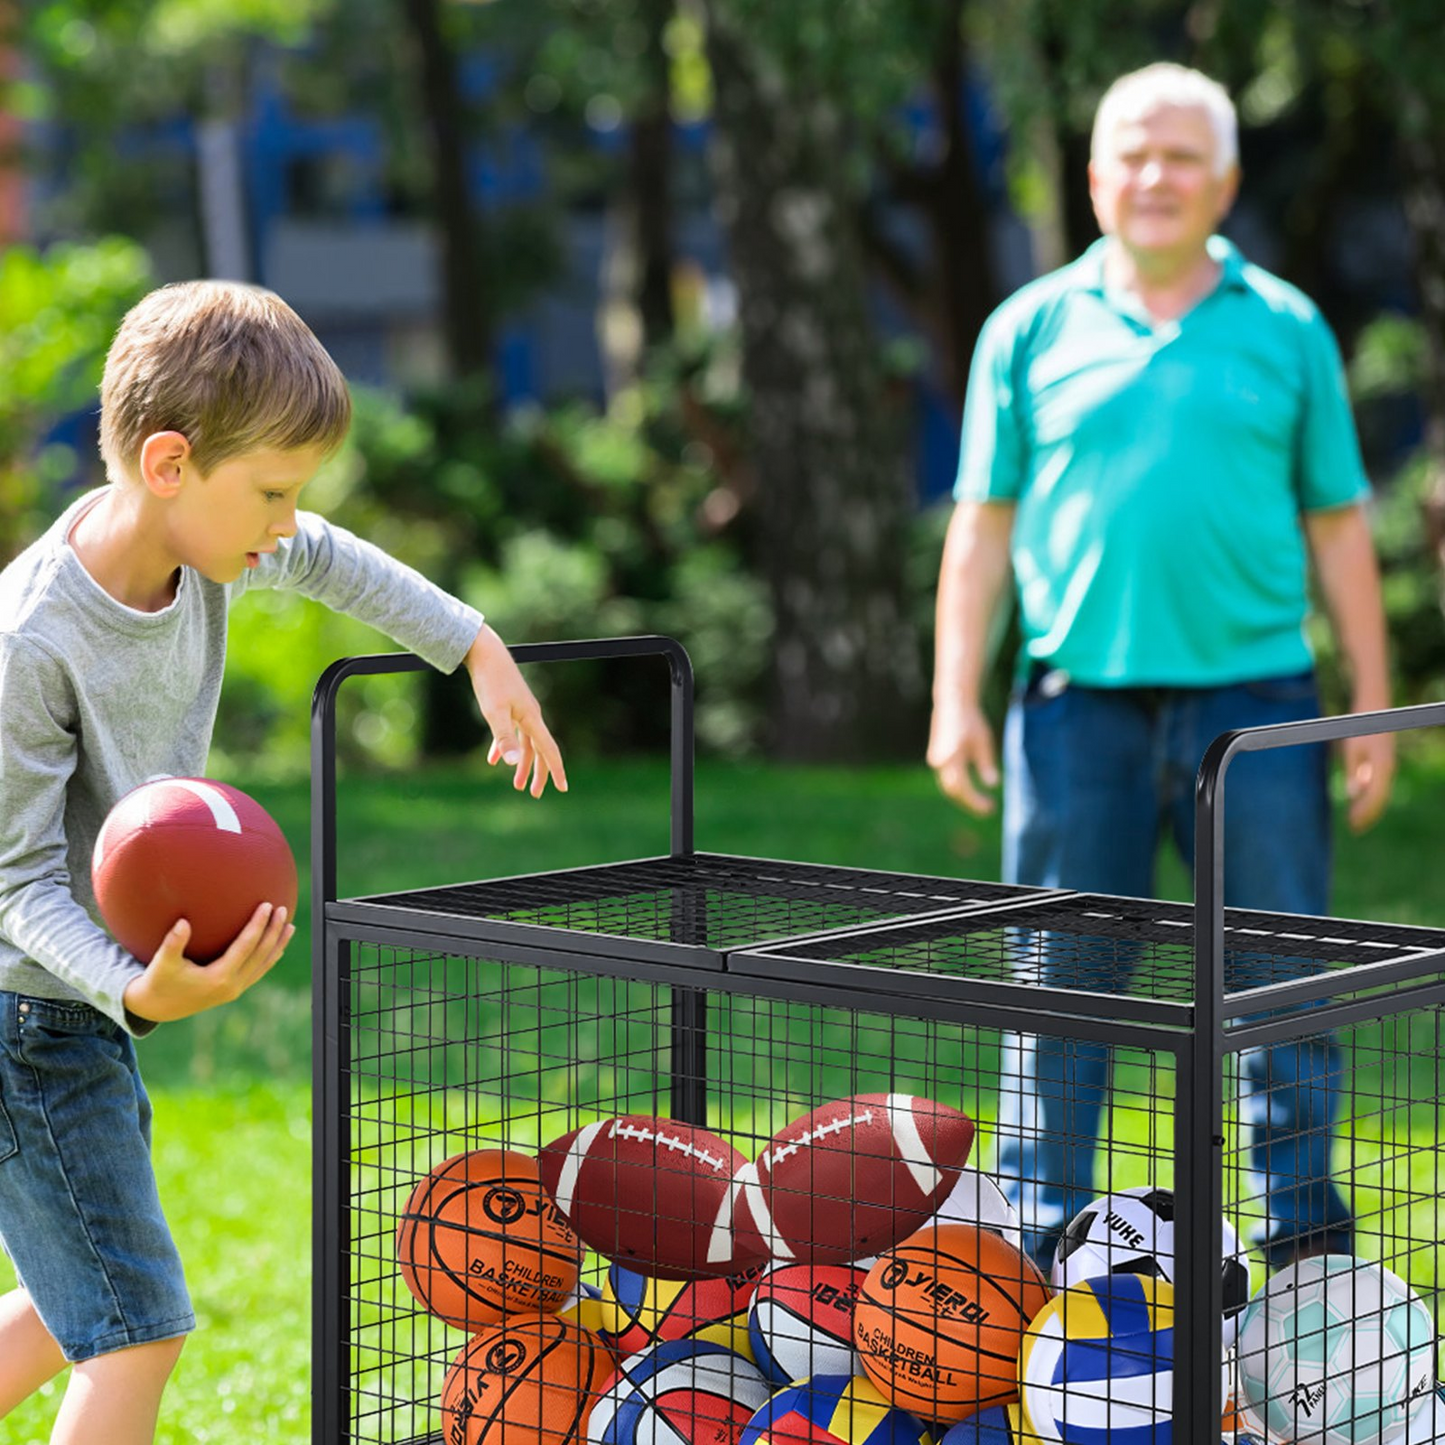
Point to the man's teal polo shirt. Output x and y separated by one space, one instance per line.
1160 471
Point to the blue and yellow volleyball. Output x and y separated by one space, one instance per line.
998 1425
638 1311
833 1410
1097 1365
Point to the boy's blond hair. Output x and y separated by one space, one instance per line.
231 367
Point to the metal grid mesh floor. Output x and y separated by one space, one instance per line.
707 900
1127 948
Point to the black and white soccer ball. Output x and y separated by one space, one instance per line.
1131 1231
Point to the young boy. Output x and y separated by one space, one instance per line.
217 405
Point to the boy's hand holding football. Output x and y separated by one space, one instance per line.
173 987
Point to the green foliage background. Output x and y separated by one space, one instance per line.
566 520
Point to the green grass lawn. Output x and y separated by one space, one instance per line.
234 1171
231 1088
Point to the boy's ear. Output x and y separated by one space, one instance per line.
163 456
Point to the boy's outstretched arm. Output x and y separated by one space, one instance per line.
519 735
325 562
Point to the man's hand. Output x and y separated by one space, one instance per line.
173 987
961 754
1369 773
520 738
972 580
1344 556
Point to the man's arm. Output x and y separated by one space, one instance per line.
1344 557
971 582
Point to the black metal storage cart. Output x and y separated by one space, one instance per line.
738 992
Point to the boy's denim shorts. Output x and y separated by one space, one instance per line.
79 1214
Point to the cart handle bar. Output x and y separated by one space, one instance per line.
1209 822
323 732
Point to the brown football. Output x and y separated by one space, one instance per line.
188 848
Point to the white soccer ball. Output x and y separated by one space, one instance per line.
1131 1231
1427 1424
1335 1350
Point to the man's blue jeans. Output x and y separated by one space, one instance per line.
1092 778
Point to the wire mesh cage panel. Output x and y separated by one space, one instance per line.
1334 1171
1099 954
1330 1173
940 1303
844 1108
450 1056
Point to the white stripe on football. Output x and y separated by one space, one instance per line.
652 1194
853 1177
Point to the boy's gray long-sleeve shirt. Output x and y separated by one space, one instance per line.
96 698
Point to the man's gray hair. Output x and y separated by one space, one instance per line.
1165 84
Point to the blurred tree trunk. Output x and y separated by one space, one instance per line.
635 312
466 314
958 211
651 178
951 300
13 220
828 443
1423 144
1074 210
449 727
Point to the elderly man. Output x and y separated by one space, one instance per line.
1156 437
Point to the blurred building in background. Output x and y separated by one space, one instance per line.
301 205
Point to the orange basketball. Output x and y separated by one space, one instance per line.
940 1320
530 1381
480 1238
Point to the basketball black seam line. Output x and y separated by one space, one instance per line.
472 1232
1015 1307
427 1212
433 1264
933 1253
491 1418
506 1394
1005 1359
937 1397
469 1290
